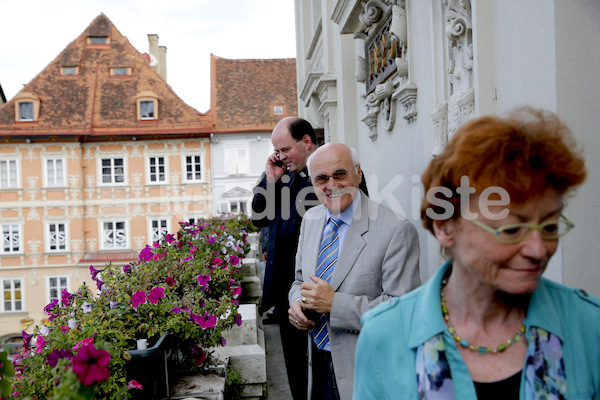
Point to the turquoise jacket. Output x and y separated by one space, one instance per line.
392 331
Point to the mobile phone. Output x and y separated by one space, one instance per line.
279 163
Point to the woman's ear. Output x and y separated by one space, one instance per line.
444 232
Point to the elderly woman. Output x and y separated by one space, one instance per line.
487 325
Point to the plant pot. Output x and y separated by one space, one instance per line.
153 368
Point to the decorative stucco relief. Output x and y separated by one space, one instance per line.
459 105
385 67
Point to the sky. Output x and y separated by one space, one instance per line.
34 32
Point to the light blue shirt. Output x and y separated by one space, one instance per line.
346 216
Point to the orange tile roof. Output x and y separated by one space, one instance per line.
96 106
245 91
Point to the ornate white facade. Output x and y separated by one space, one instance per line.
396 78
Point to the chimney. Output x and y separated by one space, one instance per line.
158 54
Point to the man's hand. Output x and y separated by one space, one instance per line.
273 171
297 317
317 295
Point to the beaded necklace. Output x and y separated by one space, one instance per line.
481 349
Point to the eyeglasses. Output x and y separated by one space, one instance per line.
550 230
324 179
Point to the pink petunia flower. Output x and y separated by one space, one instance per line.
133 385
237 290
146 254
155 294
169 238
203 279
66 297
91 364
207 321
217 261
138 298
40 342
85 341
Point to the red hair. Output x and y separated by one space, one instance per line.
526 154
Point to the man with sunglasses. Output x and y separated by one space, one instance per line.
353 254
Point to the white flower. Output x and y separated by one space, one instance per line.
72 323
86 307
224 250
44 330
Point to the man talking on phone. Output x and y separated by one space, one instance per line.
280 200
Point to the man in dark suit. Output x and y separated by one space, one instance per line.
353 253
280 199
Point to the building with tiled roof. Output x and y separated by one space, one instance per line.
98 157
248 98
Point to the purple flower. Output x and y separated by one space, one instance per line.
50 306
223 342
26 339
138 298
146 254
94 272
66 297
169 238
113 304
238 320
237 290
234 260
57 355
203 279
127 268
211 239
155 294
91 364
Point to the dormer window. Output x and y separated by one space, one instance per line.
26 111
120 71
146 109
69 71
147 106
27 107
98 40
278 110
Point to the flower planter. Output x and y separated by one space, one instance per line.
153 368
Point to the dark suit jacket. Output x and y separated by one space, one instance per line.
282 217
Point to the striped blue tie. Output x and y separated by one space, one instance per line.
328 255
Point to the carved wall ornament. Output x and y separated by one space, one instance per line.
384 30
459 104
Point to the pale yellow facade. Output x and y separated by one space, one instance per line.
66 206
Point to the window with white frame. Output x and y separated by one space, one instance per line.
56 284
193 220
8 174
147 109
159 228
113 170
236 159
114 235
193 168
11 238
55 172
26 111
57 236
233 206
157 169
12 299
